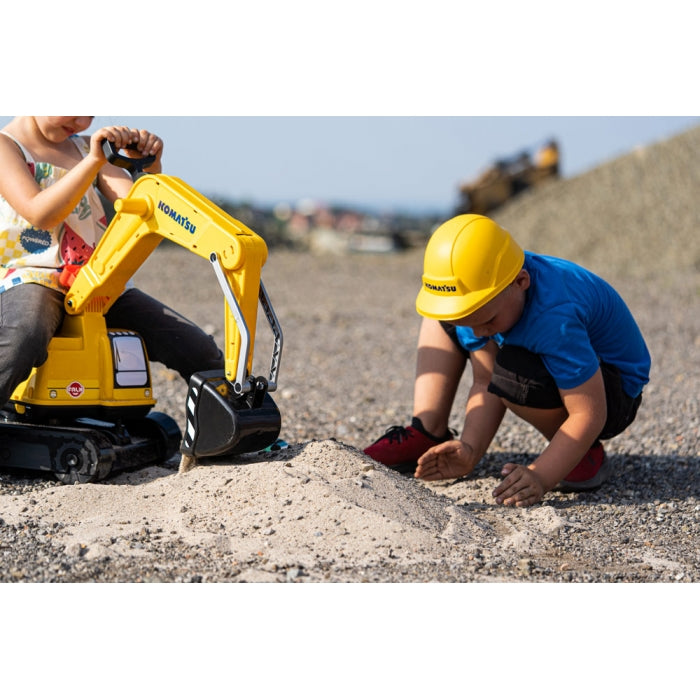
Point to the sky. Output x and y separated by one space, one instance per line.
411 164
383 163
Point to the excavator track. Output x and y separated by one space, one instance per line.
87 450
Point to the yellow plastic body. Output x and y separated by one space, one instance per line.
79 372
468 261
158 207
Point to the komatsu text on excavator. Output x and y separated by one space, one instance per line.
86 413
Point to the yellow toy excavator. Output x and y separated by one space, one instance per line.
86 412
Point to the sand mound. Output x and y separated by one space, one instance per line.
321 501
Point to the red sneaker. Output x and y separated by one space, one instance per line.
589 473
399 448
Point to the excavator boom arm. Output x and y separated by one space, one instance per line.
162 207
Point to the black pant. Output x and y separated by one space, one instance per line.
519 376
30 315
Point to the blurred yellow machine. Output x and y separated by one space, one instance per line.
86 412
508 177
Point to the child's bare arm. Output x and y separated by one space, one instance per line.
484 411
47 208
524 485
44 208
483 414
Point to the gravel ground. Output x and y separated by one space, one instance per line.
347 371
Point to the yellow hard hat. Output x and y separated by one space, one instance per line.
468 261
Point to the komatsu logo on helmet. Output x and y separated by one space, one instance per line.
441 288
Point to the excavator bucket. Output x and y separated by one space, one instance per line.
221 423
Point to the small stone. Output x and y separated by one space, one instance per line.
524 566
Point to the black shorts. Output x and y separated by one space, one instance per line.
520 377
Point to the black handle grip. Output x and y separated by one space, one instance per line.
133 165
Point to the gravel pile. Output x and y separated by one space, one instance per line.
347 373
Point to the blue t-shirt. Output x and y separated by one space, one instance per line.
574 320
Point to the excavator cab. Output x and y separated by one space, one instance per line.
87 412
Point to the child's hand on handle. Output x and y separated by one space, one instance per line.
146 144
134 142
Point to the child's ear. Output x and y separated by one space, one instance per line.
522 279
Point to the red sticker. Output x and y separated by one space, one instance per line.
75 389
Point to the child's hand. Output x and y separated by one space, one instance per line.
521 486
120 136
448 460
147 144
134 142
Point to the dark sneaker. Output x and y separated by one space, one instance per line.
589 473
399 448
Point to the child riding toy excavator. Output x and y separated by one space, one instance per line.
86 412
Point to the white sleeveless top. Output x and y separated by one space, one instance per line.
28 254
